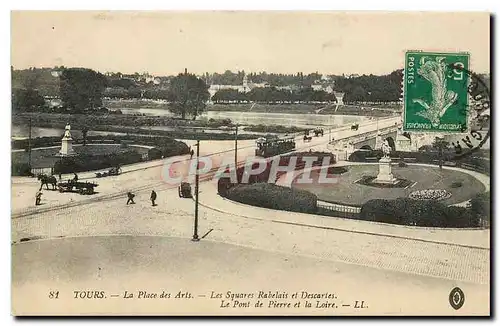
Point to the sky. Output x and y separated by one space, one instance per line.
164 43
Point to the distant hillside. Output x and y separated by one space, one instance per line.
40 79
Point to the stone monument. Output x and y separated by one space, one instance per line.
67 143
384 165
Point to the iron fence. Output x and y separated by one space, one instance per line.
47 171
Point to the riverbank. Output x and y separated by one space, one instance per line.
135 106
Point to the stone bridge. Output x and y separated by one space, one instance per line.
368 140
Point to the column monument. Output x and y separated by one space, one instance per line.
67 143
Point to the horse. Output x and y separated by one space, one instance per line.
46 180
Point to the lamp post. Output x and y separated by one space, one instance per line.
236 148
196 192
440 144
29 145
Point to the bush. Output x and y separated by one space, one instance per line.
274 129
21 169
337 170
86 162
480 206
275 197
405 211
154 154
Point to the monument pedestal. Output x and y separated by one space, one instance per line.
385 172
67 147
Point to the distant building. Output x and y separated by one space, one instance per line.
53 101
245 87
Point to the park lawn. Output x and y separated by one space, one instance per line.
346 191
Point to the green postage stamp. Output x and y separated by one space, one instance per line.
435 92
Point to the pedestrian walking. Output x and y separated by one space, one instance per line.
75 178
60 176
38 198
192 153
153 197
130 197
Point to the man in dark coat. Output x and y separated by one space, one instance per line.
130 197
38 198
153 197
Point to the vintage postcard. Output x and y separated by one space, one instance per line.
258 163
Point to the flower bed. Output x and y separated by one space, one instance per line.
430 194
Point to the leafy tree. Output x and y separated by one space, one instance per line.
188 95
122 82
82 88
26 100
440 144
85 131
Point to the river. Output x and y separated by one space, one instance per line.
22 132
255 118
242 118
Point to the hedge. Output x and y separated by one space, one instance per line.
87 162
480 206
275 197
21 169
406 211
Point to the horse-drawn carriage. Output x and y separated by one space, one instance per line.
355 126
307 138
83 188
113 171
185 190
319 131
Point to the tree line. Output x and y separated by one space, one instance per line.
236 78
82 89
272 95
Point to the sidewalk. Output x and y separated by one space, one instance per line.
457 237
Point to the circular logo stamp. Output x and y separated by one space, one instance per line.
457 298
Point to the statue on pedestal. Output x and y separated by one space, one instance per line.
385 171
67 133
386 149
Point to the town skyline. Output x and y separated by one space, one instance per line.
164 43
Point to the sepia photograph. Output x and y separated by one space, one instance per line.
250 163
